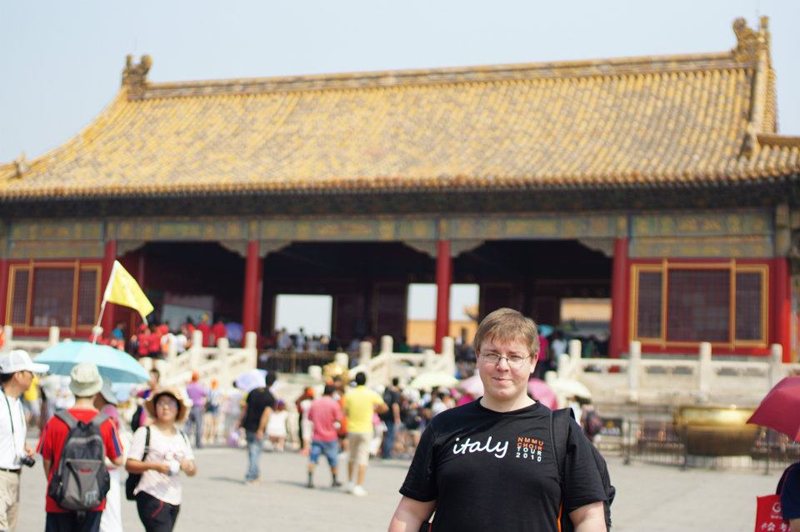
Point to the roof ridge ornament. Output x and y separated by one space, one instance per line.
134 76
21 166
753 47
749 42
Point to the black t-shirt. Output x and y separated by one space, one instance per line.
257 401
489 470
390 397
790 492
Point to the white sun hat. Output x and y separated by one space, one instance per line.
19 360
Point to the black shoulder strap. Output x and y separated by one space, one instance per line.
71 422
146 442
99 419
67 418
559 431
559 435
555 447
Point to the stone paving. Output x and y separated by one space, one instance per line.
649 497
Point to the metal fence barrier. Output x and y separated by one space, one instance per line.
293 361
662 442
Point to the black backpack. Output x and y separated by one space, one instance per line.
592 424
389 398
81 482
559 433
136 420
133 478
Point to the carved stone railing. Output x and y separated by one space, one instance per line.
662 380
676 379
381 369
222 362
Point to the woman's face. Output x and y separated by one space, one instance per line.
166 408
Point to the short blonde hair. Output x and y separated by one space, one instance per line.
508 325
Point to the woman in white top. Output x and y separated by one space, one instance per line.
276 426
111 520
158 494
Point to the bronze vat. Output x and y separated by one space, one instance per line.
716 430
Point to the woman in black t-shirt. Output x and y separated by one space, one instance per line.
490 464
789 490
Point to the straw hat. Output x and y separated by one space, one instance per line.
150 404
85 380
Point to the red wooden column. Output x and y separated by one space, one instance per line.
781 307
140 258
3 291
444 276
619 298
140 268
259 296
249 310
108 262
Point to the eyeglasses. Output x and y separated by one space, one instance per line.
514 361
171 404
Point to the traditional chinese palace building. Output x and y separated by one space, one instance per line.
660 182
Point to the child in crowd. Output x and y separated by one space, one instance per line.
211 424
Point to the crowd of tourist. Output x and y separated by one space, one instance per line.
346 422
154 338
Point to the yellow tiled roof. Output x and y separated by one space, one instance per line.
621 122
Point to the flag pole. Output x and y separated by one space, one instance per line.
103 303
96 328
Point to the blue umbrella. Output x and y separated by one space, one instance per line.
545 330
116 365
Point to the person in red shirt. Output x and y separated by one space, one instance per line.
143 340
218 331
327 415
205 328
85 384
155 341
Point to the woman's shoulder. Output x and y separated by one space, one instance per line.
790 477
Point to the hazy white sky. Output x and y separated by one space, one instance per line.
313 312
61 61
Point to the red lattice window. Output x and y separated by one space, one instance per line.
723 303
19 297
648 309
47 294
52 297
748 306
699 304
87 297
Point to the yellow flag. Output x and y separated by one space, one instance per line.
123 289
